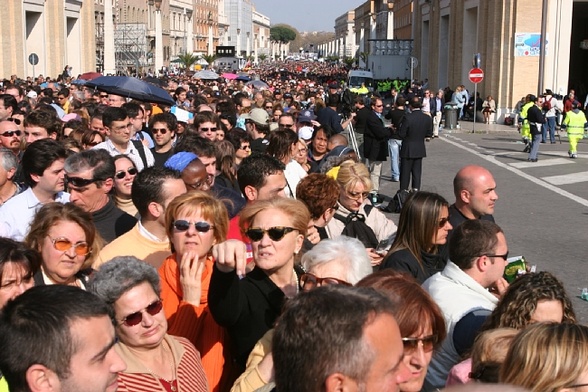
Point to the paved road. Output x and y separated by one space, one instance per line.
542 207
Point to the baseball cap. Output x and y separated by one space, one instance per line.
287 95
257 115
277 92
305 133
306 116
32 94
333 85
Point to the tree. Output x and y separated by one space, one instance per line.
282 35
262 57
187 60
209 58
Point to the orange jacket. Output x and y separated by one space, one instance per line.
197 325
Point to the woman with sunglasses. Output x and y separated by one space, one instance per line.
355 217
67 240
91 139
423 226
249 306
195 221
342 260
156 361
420 320
123 181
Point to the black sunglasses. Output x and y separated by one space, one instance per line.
443 221
14 120
11 133
213 129
275 233
504 256
163 131
184 225
122 174
427 342
79 182
135 318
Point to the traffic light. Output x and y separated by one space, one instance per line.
477 60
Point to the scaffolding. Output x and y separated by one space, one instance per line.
131 47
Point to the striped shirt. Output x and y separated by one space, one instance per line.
189 372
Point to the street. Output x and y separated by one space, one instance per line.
542 206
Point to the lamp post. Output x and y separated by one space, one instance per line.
158 36
255 48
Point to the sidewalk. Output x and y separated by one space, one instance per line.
468 126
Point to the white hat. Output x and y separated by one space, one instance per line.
305 133
32 94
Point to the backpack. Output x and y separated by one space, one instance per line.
395 205
355 227
141 149
546 106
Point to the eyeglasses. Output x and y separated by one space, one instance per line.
208 129
62 244
14 120
163 131
198 185
269 107
357 195
310 281
378 106
11 133
135 318
103 95
122 127
443 221
275 233
504 256
122 174
412 344
577 386
289 126
184 225
245 147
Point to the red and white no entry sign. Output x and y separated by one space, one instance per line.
476 75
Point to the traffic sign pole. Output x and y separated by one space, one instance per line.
476 75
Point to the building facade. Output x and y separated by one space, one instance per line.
507 34
59 32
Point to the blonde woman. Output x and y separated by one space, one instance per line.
355 211
548 357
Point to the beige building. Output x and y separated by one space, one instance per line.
508 36
60 32
344 35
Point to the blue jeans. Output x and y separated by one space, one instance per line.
394 150
549 126
535 146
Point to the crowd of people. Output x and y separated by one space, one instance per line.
236 242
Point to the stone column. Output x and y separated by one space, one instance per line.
109 61
158 40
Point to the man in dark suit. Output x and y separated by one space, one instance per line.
362 113
414 129
375 149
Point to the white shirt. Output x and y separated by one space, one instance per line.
131 152
18 212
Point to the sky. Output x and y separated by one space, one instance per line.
306 15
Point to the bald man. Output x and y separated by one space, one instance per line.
475 195
337 140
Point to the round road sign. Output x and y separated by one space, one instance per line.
33 59
476 75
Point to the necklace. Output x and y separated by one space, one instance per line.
174 384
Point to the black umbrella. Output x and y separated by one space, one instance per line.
130 87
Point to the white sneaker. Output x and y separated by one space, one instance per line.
574 156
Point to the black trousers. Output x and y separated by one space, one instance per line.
408 167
